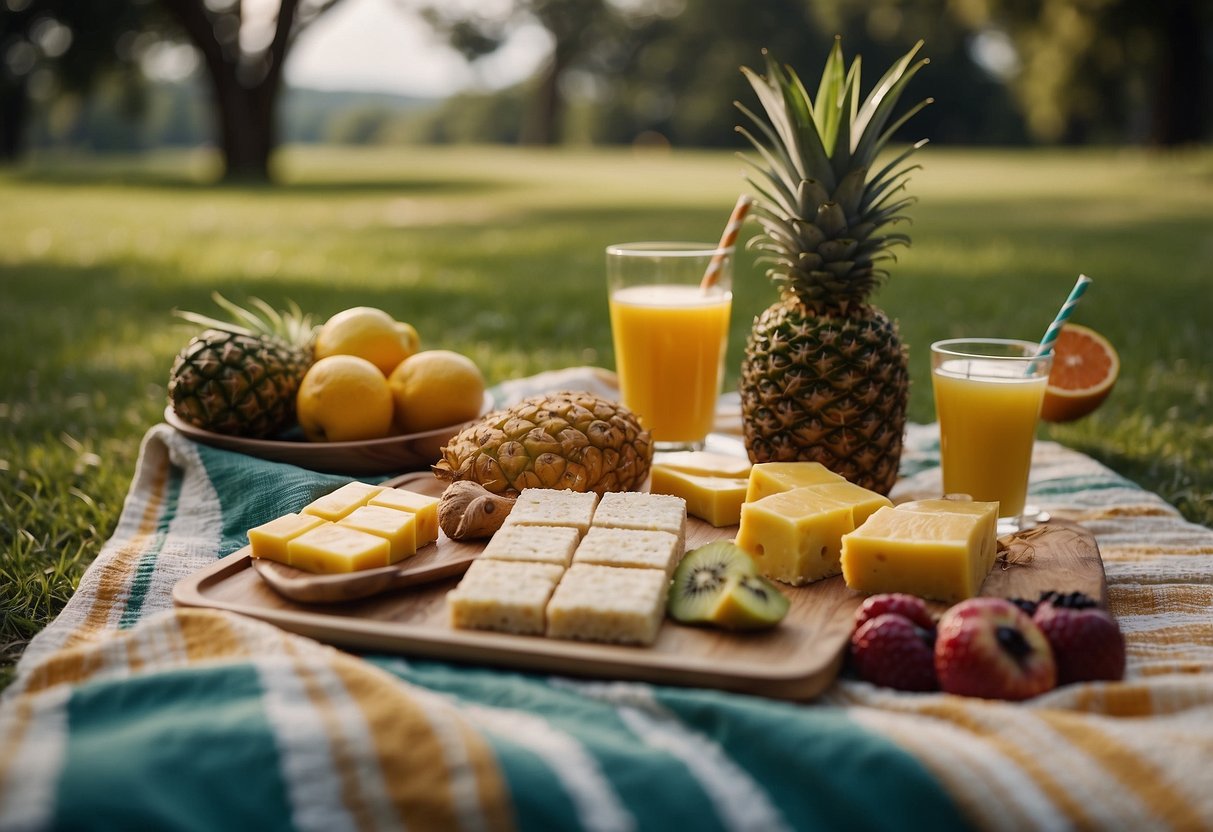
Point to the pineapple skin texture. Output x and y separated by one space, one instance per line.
826 388
237 385
571 440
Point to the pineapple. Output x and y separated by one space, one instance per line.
825 376
574 441
240 378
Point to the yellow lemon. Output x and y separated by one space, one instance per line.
344 398
436 388
367 333
408 333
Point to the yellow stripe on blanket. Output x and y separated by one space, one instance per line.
114 584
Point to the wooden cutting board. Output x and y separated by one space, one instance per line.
796 660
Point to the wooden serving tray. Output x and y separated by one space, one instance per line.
796 660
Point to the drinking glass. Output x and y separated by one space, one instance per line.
670 334
988 393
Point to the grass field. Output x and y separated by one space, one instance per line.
498 253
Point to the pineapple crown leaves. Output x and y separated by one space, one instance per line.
290 326
819 209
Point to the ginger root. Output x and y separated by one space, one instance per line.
469 510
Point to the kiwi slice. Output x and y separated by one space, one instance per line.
701 578
749 602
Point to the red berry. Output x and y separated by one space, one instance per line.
897 603
989 647
893 651
1086 641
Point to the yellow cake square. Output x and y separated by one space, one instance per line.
635 548
714 499
398 528
337 504
795 536
863 502
332 548
541 544
509 596
422 505
704 464
769 478
608 603
269 539
933 554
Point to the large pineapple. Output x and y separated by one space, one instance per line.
573 440
825 375
240 377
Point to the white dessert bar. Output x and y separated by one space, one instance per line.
636 510
635 548
553 507
509 596
539 544
608 603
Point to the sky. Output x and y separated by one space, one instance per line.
375 45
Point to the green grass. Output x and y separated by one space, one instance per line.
498 253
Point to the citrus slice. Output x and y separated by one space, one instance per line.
1085 367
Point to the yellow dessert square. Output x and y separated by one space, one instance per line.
636 510
608 603
503 595
333 548
398 528
988 512
422 505
269 539
938 555
540 544
714 499
704 464
864 503
553 507
769 478
337 504
795 536
633 548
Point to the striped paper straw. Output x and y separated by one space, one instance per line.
1063 315
727 240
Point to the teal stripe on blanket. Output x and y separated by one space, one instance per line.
253 491
846 777
182 750
147 563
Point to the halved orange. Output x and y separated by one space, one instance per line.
1085 367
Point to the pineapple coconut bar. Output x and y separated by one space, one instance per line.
570 565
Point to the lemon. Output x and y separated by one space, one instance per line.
368 333
408 333
436 388
344 398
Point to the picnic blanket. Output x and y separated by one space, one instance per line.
128 713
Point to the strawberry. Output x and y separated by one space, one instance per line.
897 603
893 651
1086 640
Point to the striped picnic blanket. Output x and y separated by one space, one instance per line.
127 713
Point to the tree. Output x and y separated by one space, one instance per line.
244 56
574 26
61 45
1117 69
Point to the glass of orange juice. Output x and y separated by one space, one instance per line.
670 335
988 393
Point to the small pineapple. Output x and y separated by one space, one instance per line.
825 376
575 441
240 377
